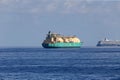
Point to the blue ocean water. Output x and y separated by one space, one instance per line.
88 63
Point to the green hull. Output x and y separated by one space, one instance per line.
62 45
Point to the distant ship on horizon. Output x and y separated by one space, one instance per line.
107 42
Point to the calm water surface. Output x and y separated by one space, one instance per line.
60 64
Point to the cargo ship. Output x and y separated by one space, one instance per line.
107 42
54 40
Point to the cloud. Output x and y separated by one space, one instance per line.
51 7
8 2
59 6
4 1
70 3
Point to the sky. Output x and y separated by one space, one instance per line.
25 23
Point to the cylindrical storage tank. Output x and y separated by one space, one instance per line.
52 39
66 40
76 39
59 39
71 40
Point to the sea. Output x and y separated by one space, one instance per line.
85 63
